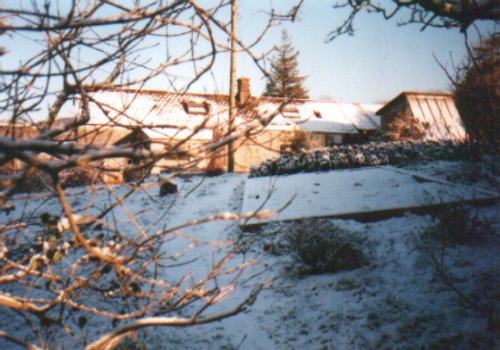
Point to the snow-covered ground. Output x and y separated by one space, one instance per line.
395 301
346 193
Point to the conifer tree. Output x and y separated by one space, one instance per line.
286 81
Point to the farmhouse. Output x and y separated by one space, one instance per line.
117 169
185 123
166 118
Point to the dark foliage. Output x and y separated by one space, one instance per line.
373 154
80 176
39 181
323 247
457 224
34 181
215 172
477 91
448 242
168 188
299 140
406 128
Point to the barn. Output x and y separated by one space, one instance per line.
428 116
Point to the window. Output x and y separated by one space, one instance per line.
333 139
290 112
196 107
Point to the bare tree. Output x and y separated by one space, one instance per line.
434 13
59 54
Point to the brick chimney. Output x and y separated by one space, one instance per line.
243 93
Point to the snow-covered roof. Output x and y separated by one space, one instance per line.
336 117
325 116
155 109
268 109
438 110
178 133
366 117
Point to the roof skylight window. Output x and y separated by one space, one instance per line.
290 112
196 107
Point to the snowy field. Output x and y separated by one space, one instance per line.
397 300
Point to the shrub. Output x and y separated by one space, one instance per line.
456 224
406 128
397 153
445 247
324 247
38 181
5 171
216 171
299 140
35 181
80 176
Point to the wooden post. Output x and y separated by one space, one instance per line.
232 88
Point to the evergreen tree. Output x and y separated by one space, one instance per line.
285 79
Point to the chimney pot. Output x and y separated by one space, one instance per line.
243 93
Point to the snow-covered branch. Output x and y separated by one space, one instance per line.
72 259
109 341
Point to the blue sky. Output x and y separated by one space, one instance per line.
374 65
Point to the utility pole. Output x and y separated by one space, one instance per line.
232 88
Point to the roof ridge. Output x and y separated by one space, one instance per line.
159 91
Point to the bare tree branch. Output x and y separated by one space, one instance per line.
91 257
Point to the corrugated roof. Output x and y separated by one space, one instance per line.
441 114
436 109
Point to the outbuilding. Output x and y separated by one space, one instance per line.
427 116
